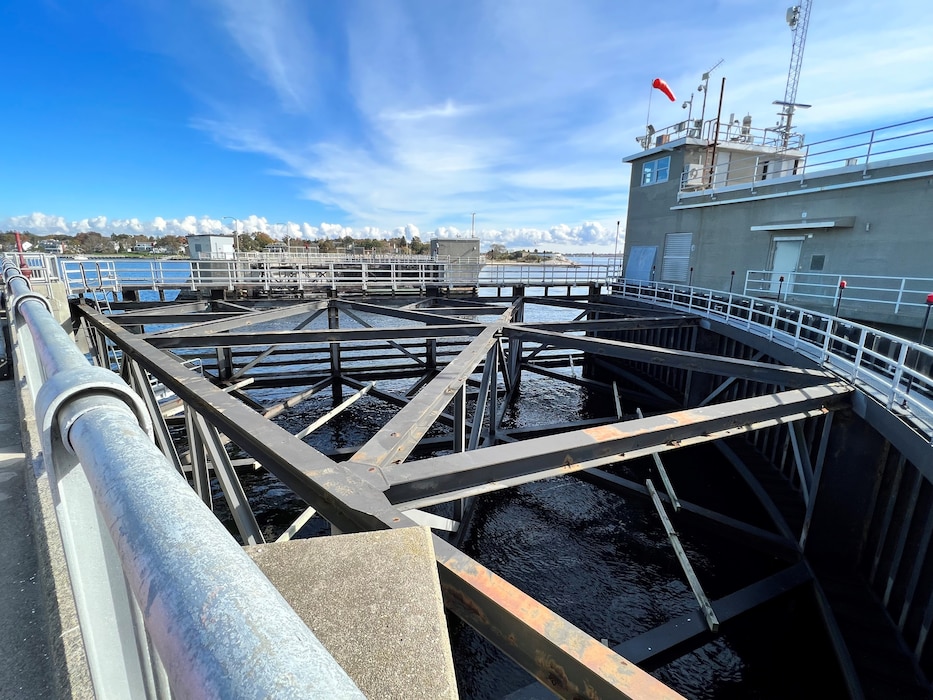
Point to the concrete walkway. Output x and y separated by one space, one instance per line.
25 661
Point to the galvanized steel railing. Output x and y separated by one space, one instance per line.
162 613
876 292
897 371
111 276
35 266
852 152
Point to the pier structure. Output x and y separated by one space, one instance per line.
145 457
280 275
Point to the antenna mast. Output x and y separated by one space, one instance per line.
798 19
704 88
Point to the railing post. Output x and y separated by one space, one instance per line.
900 295
898 375
859 352
871 141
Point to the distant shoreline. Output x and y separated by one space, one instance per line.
555 263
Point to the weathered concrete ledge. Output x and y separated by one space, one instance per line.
373 599
42 652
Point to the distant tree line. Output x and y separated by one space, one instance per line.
94 243
497 251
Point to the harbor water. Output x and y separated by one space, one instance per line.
599 559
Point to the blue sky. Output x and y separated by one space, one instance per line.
380 117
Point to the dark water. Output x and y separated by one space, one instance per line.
599 559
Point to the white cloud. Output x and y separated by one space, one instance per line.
560 237
49 225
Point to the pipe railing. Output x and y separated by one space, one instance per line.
893 294
110 277
896 371
851 152
164 612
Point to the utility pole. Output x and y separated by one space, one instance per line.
236 233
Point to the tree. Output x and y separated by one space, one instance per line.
497 251
419 248
264 239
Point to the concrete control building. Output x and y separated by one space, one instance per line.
723 206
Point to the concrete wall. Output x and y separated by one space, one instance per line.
210 247
456 248
884 220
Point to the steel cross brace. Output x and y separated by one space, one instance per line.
392 444
440 479
714 364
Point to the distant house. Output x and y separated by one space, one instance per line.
53 247
142 247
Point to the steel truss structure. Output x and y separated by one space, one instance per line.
783 425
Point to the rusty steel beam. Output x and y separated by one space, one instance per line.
713 364
350 501
195 338
567 661
431 319
610 324
393 443
188 319
161 308
440 479
247 318
602 303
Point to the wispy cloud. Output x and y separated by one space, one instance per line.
446 110
278 41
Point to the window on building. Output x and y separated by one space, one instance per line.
675 266
655 171
817 262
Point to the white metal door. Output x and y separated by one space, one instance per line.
784 262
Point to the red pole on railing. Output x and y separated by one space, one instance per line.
691 276
926 319
780 285
842 286
23 265
731 281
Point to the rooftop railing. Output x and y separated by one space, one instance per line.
727 132
896 371
850 153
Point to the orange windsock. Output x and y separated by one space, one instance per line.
665 88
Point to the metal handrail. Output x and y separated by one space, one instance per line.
205 621
550 274
857 151
338 273
896 371
897 293
38 267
